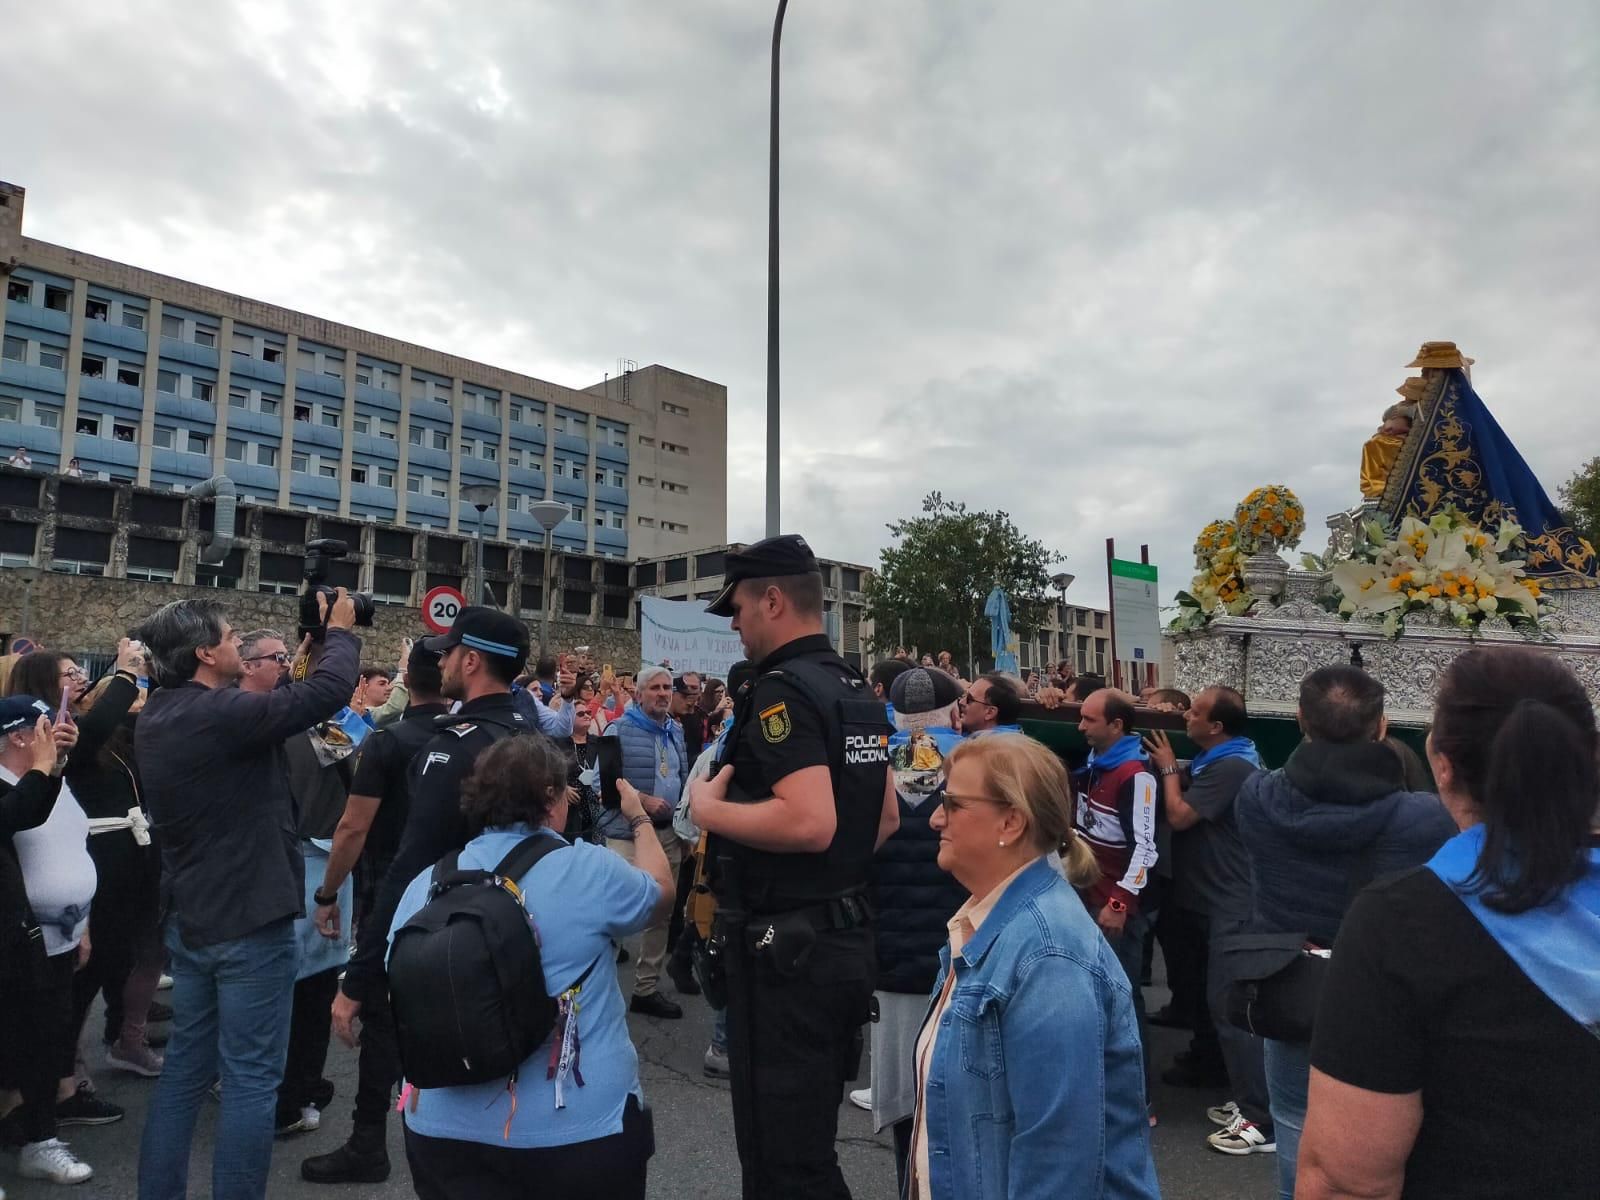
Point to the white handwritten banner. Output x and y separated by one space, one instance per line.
683 635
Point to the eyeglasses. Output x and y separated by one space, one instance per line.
952 803
75 673
281 658
968 698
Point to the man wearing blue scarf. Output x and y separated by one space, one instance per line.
1211 887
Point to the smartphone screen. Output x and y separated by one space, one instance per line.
610 763
63 713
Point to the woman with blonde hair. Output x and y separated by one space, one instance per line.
1030 1077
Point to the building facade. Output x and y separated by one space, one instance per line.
157 382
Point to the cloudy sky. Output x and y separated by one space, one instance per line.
1103 266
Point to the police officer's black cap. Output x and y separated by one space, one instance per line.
771 558
486 630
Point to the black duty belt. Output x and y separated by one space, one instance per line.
839 912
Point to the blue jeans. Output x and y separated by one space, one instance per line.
1288 1077
232 1003
719 1029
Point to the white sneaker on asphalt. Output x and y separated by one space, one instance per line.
716 1063
140 1060
1242 1137
53 1161
1223 1114
862 1098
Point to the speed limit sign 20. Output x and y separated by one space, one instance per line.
440 607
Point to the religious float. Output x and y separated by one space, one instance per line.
1455 544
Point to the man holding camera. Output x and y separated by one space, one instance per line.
216 783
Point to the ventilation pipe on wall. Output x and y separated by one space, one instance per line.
214 546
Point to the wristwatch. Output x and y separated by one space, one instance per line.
1165 771
323 901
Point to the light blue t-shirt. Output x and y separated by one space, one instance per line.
580 897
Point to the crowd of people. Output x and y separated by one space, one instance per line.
1387 964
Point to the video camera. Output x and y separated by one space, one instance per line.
318 555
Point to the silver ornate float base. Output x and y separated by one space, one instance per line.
1267 653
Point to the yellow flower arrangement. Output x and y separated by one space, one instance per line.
1217 588
1446 565
1270 513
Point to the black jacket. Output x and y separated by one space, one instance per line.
217 786
27 805
914 901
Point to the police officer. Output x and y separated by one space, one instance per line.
478 659
801 799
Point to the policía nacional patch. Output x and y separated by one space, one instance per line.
775 724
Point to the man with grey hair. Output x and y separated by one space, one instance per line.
264 656
656 762
212 766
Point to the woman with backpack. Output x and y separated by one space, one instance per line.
572 1115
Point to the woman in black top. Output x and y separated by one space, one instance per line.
1455 1052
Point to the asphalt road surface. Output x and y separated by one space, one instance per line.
694 1132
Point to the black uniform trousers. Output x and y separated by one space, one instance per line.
794 1041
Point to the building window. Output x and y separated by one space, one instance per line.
92 366
48 416
167 381
489 452
330 419
618 521
202 390
679 488
516 412
437 489
271 354
600 519
1099 620
20 290
676 410
88 426
10 408
239 397
358 474
54 357
162 436
387 429
122 431
416 436
234 450
619 437
269 406
302 412
441 440
327 470
513 457
266 456
385 478
646 441
57 298
577 512
360 423
619 479
414 484
131 376
172 327
674 527
199 443
674 448
204 336
96 310
599 476
513 502
647 522
16 349
558 469
299 463
132 317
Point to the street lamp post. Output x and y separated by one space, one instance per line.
1062 582
482 496
549 514
772 291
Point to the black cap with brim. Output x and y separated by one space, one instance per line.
485 630
770 558
21 712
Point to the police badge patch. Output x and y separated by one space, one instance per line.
775 725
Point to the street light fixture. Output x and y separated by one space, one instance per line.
482 496
1062 582
549 514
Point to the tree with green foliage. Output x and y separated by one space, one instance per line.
1580 500
937 578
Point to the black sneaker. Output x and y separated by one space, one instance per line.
85 1108
363 1159
655 1005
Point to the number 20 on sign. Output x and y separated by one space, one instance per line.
440 607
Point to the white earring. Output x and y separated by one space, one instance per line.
1002 842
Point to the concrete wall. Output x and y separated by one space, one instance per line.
86 615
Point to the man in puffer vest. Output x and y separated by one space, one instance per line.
656 762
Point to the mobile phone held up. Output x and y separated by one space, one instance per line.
610 763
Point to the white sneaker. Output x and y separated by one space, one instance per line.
862 1098
140 1059
53 1161
1242 1137
164 983
1223 1114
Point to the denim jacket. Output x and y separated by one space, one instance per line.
1035 1085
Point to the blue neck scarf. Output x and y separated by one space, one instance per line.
1557 945
637 715
1235 747
1125 751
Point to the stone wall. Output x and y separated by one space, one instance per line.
87 615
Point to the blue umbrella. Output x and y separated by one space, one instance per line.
1001 643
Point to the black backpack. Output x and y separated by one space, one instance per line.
466 979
